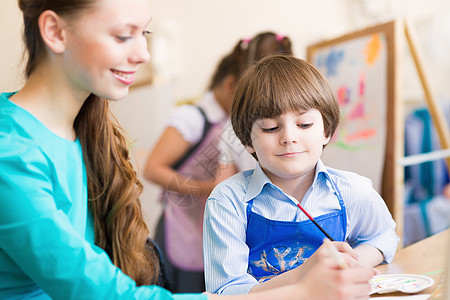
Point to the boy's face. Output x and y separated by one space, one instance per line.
289 146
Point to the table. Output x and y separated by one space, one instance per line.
426 257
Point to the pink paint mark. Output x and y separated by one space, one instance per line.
361 135
362 84
343 94
358 111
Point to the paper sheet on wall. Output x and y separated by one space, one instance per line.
357 70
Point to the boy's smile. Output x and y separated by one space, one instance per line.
290 154
289 146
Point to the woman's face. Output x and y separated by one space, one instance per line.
105 46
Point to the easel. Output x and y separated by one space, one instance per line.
436 114
393 181
392 185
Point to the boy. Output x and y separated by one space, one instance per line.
284 113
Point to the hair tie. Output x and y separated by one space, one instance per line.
279 37
245 43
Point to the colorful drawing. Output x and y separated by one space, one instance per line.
356 70
358 89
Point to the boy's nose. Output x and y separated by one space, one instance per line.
288 141
288 137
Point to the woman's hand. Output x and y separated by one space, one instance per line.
323 277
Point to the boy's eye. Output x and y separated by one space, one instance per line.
304 126
146 32
123 38
272 129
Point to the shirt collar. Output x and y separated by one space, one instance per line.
214 112
257 182
259 179
321 169
322 175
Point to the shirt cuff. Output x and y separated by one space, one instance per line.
236 289
386 243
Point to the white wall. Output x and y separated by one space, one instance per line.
205 30
194 34
10 46
209 29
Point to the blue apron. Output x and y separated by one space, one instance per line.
279 246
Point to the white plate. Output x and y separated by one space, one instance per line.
405 283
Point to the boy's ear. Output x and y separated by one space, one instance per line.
52 29
326 140
249 149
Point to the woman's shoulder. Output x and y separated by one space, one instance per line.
18 147
17 123
13 128
17 141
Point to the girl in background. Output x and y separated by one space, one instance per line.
71 225
186 162
233 157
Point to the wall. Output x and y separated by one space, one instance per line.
11 47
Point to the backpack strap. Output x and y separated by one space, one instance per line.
194 147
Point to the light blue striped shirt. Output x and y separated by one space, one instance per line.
225 223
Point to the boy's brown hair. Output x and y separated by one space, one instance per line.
278 84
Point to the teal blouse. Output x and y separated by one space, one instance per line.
46 232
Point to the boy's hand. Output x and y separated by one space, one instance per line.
324 278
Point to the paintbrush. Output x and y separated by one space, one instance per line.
314 221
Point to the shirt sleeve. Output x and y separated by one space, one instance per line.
369 220
39 239
224 248
189 122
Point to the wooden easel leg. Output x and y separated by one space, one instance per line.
435 112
